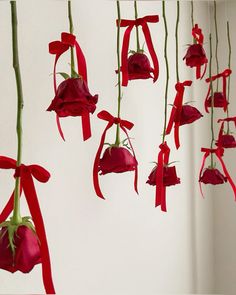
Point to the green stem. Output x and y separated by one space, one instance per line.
217 44
229 66
167 69
117 142
71 28
16 219
137 30
192 19
212 103
177 41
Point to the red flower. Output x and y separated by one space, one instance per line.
73 99
27 250
117 160
169 176
226 141
195 56
212 176
189 115
218 100
139 66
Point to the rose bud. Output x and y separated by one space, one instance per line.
117 160
73 99
139 66
219 100
226 141
169 176
26 252
195 56
212 176
189 114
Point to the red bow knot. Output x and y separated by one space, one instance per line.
125 48
175 115
27 173
197 34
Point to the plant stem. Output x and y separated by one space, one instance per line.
71 28
167 70
192 19
16 219
177 41
137 30
217 44
229 66
117 142
212 102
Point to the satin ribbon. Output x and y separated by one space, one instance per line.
26 174
162 161
222 121
224 75
58 48
199 37
124 125
219 152
175 115
125 47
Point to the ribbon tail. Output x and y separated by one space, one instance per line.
225 94
176 135
198 72
204 72
201 170
163 200
205 104
59 127
159 179
86 127
33 203
82 68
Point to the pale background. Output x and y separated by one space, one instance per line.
122 245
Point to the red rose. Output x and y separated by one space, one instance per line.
195 56
73 99
212 176
189 115
139 67
169 176
226 141
219 100
117 160
27 250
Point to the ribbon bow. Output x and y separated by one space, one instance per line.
219 152
26 174
162 161
58 48
104 115
224 75
125 48
175 115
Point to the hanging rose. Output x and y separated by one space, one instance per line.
72 96
181 114
226 140
219 98
162 176
117 158
211 175
137 65
196 56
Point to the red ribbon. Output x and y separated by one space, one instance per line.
104 115
199 37
219 152
175 115
58 48
125 48
26 174
224 75
162 161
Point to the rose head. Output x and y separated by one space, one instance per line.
139 66
226 141
169 176
189 115
73 99
219 100
117 160
212 176
27 250
195 56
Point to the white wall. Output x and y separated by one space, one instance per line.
122 245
